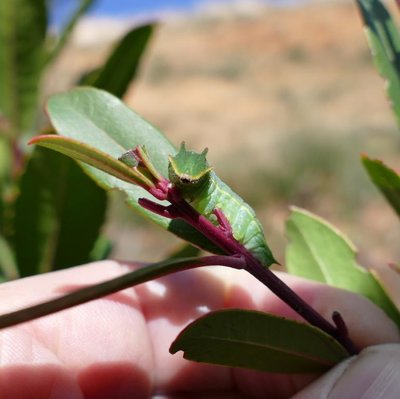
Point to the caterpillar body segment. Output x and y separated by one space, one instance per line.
203 189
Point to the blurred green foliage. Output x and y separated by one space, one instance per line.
46 221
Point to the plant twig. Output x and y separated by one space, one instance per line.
139 276
222 237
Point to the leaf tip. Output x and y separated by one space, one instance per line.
39 139
364 156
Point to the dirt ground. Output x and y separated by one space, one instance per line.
285 99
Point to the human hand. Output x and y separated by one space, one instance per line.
117 346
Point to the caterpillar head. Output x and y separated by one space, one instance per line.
188 168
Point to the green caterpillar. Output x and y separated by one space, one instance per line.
202 188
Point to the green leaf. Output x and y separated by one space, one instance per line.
122 65
101 121
318 251
58 214
80 151
23 26
386 179
8 265
259 341
68 29
384 41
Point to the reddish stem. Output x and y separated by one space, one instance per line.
221 237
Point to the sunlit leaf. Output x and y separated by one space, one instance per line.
101 121
320 252
80 151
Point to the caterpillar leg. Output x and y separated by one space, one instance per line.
223 222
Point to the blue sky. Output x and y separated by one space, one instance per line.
123 8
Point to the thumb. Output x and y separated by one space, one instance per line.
375 373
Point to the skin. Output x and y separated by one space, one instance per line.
117 347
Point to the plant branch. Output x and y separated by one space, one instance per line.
139 276
222 237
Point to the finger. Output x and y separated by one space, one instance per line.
97 350
105 343
168 305
359 314
374 373
188 295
